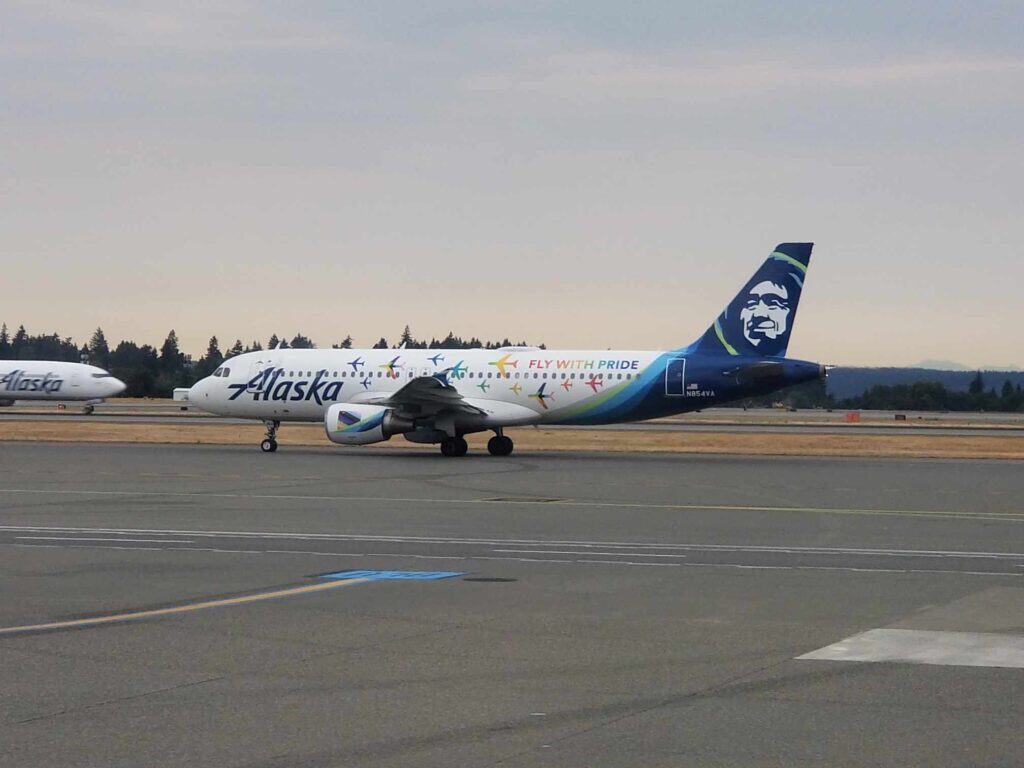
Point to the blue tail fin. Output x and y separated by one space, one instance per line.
759 320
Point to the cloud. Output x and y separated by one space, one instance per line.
185 26
584 75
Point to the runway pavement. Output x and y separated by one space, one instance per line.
727 420
607 609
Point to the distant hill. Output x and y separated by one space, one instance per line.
950 365
851 382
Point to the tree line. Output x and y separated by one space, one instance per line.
155 371
981 395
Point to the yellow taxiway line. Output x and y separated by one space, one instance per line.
223 603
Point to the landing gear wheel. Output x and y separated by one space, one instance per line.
499 445
88 409
454 446
269 444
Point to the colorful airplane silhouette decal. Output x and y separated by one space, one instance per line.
516 388
567 385
504 363
436 359
595 382
484 386
542 397
458 370
391 367
356 363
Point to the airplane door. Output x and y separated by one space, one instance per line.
675 377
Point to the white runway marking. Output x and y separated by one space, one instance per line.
581 552
913 646
585 544
88 538
578 561
1008 516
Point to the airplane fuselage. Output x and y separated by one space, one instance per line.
55 381
520 386
366 396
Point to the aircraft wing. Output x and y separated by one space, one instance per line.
424 395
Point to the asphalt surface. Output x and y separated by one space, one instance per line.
611 610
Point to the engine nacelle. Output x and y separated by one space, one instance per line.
352 424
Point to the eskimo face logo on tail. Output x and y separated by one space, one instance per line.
270 384
760 318
765 313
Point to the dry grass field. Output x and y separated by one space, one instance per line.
983 446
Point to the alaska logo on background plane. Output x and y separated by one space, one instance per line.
740 354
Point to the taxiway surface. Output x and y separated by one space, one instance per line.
610 609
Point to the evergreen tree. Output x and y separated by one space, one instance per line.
236 350
98 349
302 342
274 341
172 361
977 384
19 343
211 361
406 338
1007 390
382 344
346 343
5 342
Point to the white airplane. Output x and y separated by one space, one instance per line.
56 382
439 395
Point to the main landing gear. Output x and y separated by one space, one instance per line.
454 446
269 445
499 445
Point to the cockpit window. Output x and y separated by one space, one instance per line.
218 372
227 371
103 375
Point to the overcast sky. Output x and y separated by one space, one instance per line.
587 174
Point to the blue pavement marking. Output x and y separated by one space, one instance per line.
382 575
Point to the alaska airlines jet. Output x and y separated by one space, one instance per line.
437 396
55 381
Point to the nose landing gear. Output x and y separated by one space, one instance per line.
269 445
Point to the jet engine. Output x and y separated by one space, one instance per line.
353 424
